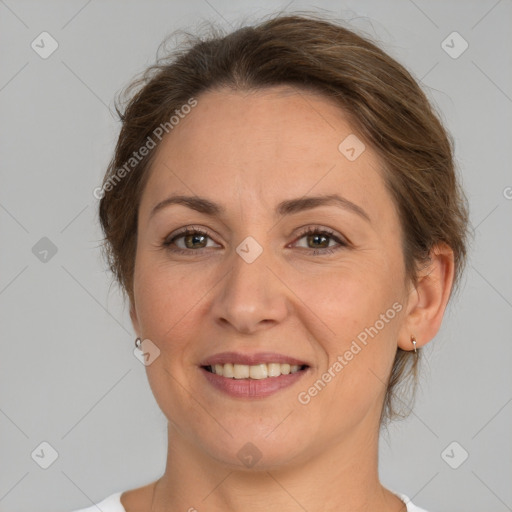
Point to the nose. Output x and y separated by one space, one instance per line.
251 296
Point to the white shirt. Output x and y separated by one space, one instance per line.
113 504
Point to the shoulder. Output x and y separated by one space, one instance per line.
110 504
411 507
138 499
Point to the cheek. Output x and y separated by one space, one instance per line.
348 299
335 303
359 316
163 296
173 303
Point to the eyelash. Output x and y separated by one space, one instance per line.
307 231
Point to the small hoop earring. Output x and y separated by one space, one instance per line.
137 342
413 341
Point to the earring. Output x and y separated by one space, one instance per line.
413 341
137 342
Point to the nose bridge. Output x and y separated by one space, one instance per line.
251 296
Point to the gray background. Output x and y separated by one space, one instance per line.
68 375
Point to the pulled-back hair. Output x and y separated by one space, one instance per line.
383 102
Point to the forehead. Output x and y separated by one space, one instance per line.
269 144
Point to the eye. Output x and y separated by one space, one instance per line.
193 239
189 239
320 238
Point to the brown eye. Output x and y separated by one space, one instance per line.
320 239
193 241
188 240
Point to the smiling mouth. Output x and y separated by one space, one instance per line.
257 372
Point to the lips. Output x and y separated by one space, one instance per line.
242 385
251 359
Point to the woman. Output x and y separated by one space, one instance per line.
283 214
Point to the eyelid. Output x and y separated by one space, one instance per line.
302 231
310 229
185 229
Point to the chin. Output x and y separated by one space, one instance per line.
254 457
253 449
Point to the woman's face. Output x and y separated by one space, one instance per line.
253 280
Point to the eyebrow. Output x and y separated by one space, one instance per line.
287 207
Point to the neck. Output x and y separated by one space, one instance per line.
341 478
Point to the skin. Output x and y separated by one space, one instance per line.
248 151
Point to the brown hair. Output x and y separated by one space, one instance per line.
384 104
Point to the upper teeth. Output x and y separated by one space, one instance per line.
258 371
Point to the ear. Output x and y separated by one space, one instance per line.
134 318
428 299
